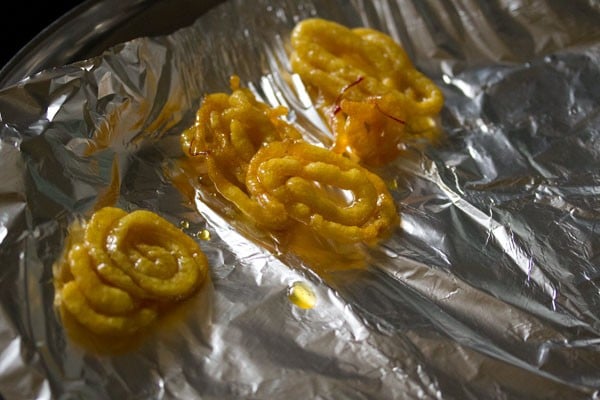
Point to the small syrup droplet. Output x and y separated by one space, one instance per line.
204 234
301 295
183 224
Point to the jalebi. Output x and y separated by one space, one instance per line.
228 131
260 163
334 196
121 270
366 87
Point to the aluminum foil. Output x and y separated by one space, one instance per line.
489 289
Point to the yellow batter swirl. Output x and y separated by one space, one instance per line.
334 196
122 270
228 131
366 87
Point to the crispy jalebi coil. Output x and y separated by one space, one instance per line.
229 130
121 270
366 87
333 195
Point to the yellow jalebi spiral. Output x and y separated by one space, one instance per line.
228 131
366 86
121 270
334 196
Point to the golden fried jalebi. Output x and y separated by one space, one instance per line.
309 182
121 270
229 130
366 86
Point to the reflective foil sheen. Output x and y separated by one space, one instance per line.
488 290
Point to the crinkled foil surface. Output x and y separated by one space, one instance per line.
489 289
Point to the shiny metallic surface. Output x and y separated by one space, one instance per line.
489 289
96 25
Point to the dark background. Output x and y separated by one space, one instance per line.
24 20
